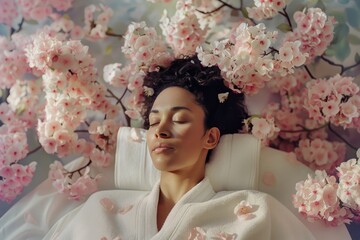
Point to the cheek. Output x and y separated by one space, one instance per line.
149 137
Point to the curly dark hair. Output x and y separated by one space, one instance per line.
205 83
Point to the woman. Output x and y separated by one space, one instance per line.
187 109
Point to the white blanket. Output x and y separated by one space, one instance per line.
131 215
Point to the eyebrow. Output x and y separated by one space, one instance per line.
173 109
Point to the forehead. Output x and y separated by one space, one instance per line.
174 96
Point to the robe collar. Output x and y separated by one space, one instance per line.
201 192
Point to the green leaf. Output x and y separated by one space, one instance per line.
311 3
341 31
320 4
339 16
284 27
32 22
245 13
353 39
330 51
343 50
352 17
357 58
108 50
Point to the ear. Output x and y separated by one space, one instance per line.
212 138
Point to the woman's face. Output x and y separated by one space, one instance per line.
177 139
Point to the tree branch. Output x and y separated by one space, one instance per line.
79 170
13 30
224 4
286 15
33 151
308 71
341 137
342 67
112 34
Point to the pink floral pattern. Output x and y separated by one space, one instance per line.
110 207
244 210
197 233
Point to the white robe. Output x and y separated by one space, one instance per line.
128 215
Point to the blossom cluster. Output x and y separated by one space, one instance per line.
314 30
36 10
262 128
8 12
316 199
145 48
146 51
323 198
336 99
266 8
349 184
75 189
13 63
96 27
210 19
13 176
245 58
72 89
321 154
183 32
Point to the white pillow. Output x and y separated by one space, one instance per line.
233 165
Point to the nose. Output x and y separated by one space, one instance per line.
162 131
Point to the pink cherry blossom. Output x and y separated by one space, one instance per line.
349 184
39 10
320 154
334 100
117 76
97 26
263 128
182 31
197 233
13 147
314 30
13 178
209 20
76 185
8 12
104 133
316 199
225 236
244 210
13 63
62 5
145 48
108 205
266 8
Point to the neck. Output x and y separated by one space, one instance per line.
173 186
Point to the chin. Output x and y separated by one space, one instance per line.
162 164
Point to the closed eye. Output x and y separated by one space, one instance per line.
153 124
180 122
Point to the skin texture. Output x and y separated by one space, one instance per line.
178 143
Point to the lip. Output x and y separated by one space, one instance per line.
162 147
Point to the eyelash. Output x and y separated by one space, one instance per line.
153 124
